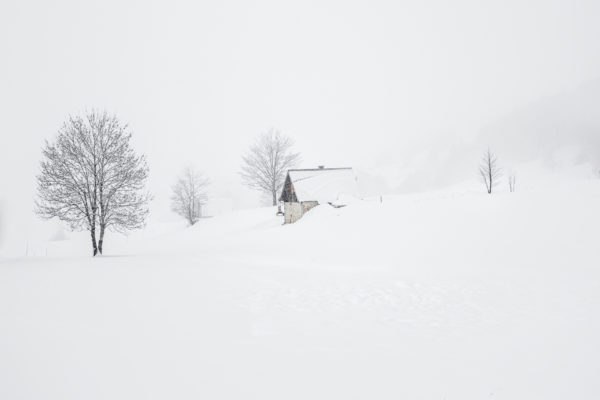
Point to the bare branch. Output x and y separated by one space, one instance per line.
489 171
189 194
265 165
91 176
512 181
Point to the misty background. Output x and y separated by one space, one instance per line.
407 93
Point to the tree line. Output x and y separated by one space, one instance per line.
92 179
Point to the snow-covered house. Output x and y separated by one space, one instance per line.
306 188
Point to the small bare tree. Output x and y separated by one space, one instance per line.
489 170
189 194
90 176
512 181
265 165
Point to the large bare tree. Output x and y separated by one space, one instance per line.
489 170
91 177
189 195
265 165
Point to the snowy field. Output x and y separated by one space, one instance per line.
446 295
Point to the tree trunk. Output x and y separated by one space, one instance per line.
102 226
93 233
274 193
490 172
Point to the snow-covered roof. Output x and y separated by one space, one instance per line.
323 184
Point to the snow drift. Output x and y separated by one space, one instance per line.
446 295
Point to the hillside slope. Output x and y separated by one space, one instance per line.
559 131
447 295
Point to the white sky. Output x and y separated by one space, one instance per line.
361 84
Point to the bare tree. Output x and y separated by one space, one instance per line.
90 176
189 195
489 170
512 181
265 165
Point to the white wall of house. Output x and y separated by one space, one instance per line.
293 212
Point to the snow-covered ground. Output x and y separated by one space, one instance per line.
446 295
